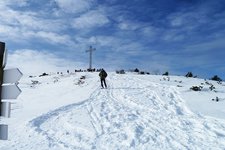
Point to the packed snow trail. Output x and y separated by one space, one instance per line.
133 113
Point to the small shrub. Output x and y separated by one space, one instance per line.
32 76
43 74
189 74
166 78
83 77
120 71
216 99
91 70
219 82
216 78
177 81
196 88
136 70
56 79
212 87
206 82
166 73
34 83
142 72
80 82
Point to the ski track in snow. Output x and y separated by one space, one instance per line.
129 115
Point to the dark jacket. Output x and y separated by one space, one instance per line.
103 74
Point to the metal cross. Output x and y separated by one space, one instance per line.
90 57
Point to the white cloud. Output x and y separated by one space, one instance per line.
17 34
8 32
52 37
95 18
207 46
145 30
18 26
32 62
128 25
178 21
188 19
29 20
150 32
173 35
74 6
14 2
110 41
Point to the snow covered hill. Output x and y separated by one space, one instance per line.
136 112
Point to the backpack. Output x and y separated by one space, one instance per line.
103 74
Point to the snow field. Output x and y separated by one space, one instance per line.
135 112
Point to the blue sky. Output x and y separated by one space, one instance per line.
153 35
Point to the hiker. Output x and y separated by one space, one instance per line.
102 76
